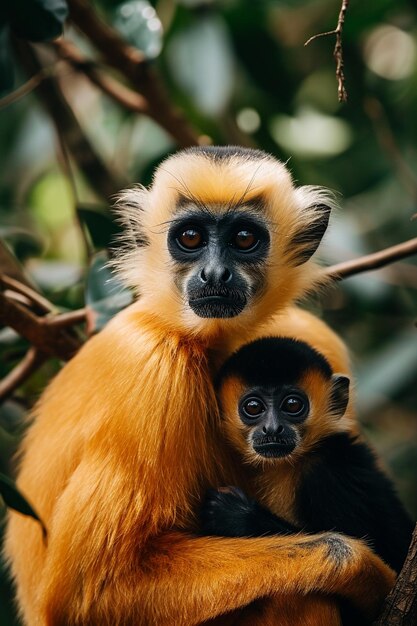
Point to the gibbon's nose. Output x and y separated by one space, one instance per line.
273 431
217 274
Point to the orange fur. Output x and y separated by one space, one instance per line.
126 439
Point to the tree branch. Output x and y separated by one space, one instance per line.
71 318
372 261
38 302
126 97
131 63
27 87
99 176
400 607
54 342
30 363
49 334
338 51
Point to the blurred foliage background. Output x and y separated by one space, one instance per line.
239 71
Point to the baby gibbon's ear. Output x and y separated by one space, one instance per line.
339 397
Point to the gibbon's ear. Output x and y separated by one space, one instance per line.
339 396
129 208
307 241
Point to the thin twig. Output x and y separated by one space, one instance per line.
18 297
41 303
372 261
66 166
33 359
27 87
338 50
314 37
64 320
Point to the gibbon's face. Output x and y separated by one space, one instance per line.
273 417
221 235
278 396
220 257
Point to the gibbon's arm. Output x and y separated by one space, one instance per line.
97 573
342 490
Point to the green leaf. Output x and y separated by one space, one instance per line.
8 443
23 242
38 20
105 294
12 418
101 228
16 501
201 60
140 26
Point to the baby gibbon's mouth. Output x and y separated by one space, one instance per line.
274 447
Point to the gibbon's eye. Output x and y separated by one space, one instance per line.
293 405
190 239
245 241
253 407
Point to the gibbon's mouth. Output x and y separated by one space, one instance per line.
218 305
273 447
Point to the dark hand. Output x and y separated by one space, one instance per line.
229 512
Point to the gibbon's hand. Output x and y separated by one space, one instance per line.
229 512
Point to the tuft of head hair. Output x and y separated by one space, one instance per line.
269 360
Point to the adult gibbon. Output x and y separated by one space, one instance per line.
126 439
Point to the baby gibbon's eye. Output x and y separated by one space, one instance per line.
190 239
293 405
253 407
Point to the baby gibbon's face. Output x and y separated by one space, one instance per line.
278 396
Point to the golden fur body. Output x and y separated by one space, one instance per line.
126 439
